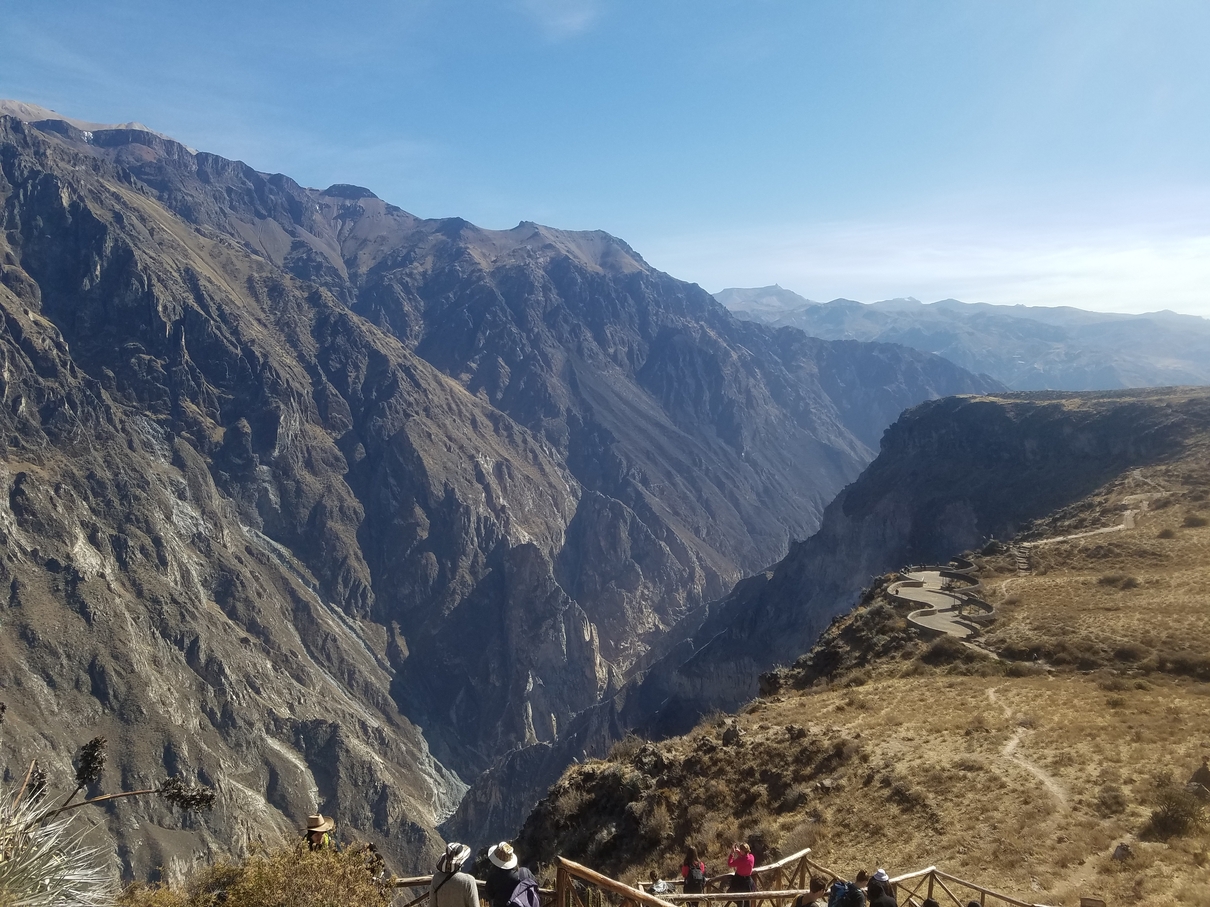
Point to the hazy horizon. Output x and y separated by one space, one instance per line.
1028 153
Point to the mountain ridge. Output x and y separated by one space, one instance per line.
1024 347
388 497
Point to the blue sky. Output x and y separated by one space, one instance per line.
1019 152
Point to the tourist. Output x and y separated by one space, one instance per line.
1201 777
742 862
450 886
693 871
319 832
879 896
817 896
504 875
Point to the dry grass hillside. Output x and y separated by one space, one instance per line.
1020 763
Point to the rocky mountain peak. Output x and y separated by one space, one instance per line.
335 507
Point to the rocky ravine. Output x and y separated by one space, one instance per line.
331 506
951 474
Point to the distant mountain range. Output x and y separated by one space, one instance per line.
1025 347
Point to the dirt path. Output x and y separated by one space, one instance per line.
1128 518
1009 752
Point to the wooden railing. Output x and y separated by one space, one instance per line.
776 883
546 896
579 886
912 889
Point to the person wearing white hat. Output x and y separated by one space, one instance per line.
505 875
879 890
450 886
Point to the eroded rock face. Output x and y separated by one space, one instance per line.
951 474
334 508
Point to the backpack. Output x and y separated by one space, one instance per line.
525 894
845 894
695 879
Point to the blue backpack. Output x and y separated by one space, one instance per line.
845 894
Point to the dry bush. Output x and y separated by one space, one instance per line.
1119 581
1194 520
1111 800
657 824
946 650
1024 669
801 836
1176 812
1131 652
1166 534
288 877
625 749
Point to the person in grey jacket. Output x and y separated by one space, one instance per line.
451 887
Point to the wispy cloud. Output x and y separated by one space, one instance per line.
562 19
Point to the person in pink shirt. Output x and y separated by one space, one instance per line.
742 862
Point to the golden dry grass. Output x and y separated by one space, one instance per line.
289 876
1136 597
1020 775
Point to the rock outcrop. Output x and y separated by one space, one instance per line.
333 507
951 474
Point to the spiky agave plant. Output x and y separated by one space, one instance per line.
46 862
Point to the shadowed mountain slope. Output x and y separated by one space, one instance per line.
950 474
1046 759
332 506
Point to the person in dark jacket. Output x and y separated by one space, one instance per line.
879 896
504 875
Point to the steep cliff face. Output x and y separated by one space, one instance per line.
950 474
332 506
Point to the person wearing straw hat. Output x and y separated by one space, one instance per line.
319 832
451 887
505 875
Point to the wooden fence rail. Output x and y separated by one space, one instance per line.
912 889
778 884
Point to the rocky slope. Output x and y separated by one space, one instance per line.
1026 347
331 506
1021 761
951 474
